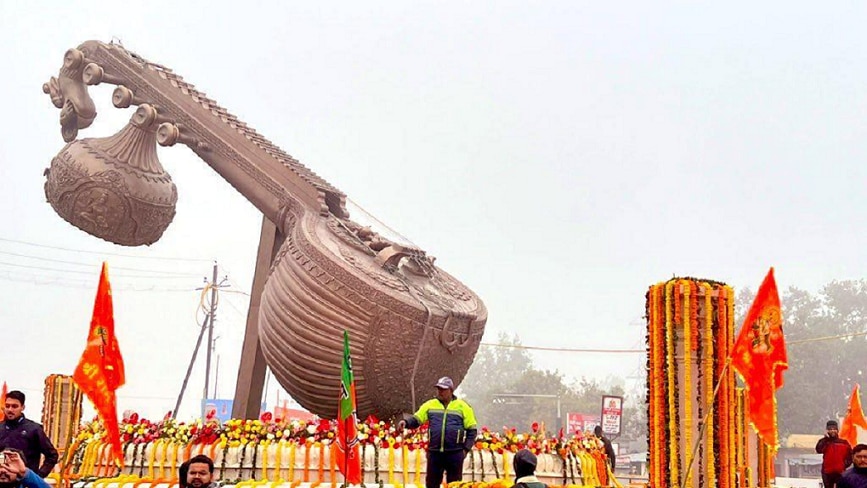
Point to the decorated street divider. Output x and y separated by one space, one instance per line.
297 453
135 482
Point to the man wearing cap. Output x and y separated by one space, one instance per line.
451 430
836 455
525 470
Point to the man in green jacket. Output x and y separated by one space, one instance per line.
451 430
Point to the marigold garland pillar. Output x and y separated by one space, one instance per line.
61 410
690 332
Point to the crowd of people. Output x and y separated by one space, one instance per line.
27 455
843 466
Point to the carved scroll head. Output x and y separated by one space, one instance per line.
69 93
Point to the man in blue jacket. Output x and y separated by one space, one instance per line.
451 431
856 476
27 436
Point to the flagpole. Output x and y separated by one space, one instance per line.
345 457
345 430
703 430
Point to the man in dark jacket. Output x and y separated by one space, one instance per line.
26 435
856 476
452 433
836 455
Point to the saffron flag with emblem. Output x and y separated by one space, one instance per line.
854 417
347 454
100 370
3 396
759 355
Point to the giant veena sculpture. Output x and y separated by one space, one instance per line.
318 271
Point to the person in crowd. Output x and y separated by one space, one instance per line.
609 449
452 432
836 454
27 436
200 472
525 470
856 476
14 473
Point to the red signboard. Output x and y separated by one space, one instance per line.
581 422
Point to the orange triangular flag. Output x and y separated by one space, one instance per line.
100 370
759 355
3 395
854 417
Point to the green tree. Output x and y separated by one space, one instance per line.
823 362
494 368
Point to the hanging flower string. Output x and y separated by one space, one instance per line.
672 387
708 386
688 327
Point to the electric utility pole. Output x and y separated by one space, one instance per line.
208 326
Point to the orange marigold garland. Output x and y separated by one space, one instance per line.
693 313
659 389
730 379
649 398
662 388
656 427
707 368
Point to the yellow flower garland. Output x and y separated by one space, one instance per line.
151 458
173 459
391 461
417 478
292 461
405 455
278 457
264 456
89 456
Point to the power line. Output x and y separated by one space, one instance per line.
61 270
79 263
56 282
825 338
643 351
103 253
566 349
